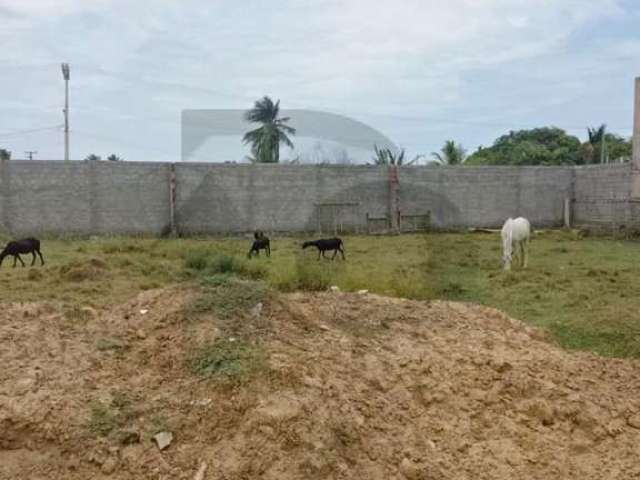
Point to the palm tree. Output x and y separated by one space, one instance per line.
92 157
451 154
265 140
5 154
384 156
598 136
114 158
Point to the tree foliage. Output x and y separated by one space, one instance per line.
265 140
384 156
539 146
5 154
552 146
114 158
450 154
93 157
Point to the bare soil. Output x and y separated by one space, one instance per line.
356 386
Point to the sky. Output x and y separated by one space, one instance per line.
418 71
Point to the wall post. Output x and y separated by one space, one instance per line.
172 199
635 159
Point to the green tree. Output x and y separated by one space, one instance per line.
5 154
265 140
450 154
93 157
598 140
618 148
114 158
384 156
538 146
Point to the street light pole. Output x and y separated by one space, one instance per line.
65 75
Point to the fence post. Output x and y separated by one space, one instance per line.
172 199
567 213
394 198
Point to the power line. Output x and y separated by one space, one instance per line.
27 131
30 153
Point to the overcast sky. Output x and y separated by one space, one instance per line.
419 71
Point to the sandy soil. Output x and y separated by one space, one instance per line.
358 386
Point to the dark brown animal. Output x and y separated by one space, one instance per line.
327 244
261 242
24 246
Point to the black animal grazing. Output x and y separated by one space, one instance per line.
325 244
26 245
261 242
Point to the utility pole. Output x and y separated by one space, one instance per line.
65 75
30 154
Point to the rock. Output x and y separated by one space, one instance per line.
363 292
141 334
334 288
144 311
410 470
615 427
163 439
109 466
322 326
634 421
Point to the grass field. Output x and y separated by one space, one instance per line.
584 291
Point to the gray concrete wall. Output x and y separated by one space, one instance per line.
83 197
127 197
486 196
238 198
602 195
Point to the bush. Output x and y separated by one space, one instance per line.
211 264
228 358
227 297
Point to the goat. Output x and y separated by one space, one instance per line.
515 232
325 244
26 245
261 242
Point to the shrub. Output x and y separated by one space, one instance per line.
229 358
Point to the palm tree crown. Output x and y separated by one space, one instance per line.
265 140
451 154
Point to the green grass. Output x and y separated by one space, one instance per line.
583 290
229 359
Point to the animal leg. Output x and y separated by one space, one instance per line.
15 259
41 258
335 252
20 258
268 251
525 253
319 252
342 253
33 262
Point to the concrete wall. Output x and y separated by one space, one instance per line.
486 196
128 197
602 195
238 198
83 197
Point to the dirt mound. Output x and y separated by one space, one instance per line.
346 386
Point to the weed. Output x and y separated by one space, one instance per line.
228 358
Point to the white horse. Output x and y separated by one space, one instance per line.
515 235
